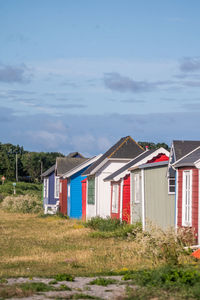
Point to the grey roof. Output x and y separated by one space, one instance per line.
126 147
129 164
190 159
75 154
154 165
65 164
182 148
49 171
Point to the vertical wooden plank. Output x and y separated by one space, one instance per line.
126 200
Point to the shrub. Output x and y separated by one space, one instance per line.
107 228
23 204
101 224
159 245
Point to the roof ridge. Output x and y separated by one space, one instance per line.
127 138
137 143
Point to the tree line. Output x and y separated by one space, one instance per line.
19 164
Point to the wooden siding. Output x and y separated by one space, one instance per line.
126 200
195 197
63 196
136 208
51 199
84 198
115 215
76 195
159 205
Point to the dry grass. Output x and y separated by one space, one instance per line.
32 246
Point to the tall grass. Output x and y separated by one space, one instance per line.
23 204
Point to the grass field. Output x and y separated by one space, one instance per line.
36 246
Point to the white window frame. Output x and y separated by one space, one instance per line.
60 187
187 198
115 198
136 189
46 188
171 185
56 187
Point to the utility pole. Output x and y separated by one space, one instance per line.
16 167
41 169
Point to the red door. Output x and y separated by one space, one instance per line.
126 200
84 195
63 196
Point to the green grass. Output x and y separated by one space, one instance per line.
64 277
103 281
180 282
22 188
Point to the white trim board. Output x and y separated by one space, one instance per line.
141 162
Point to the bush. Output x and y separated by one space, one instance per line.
101 224
107 228
159 245
23 204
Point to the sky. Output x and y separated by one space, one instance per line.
77 75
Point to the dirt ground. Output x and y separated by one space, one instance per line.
79 286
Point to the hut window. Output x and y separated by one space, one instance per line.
171 185
46 188
91 191
57 185
137 194
115 198
187 199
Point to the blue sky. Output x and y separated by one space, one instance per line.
77 75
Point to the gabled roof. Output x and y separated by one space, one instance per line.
189 159
64 164
126 147
141 158
178 150
81 166
129 165
49 171
181 148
